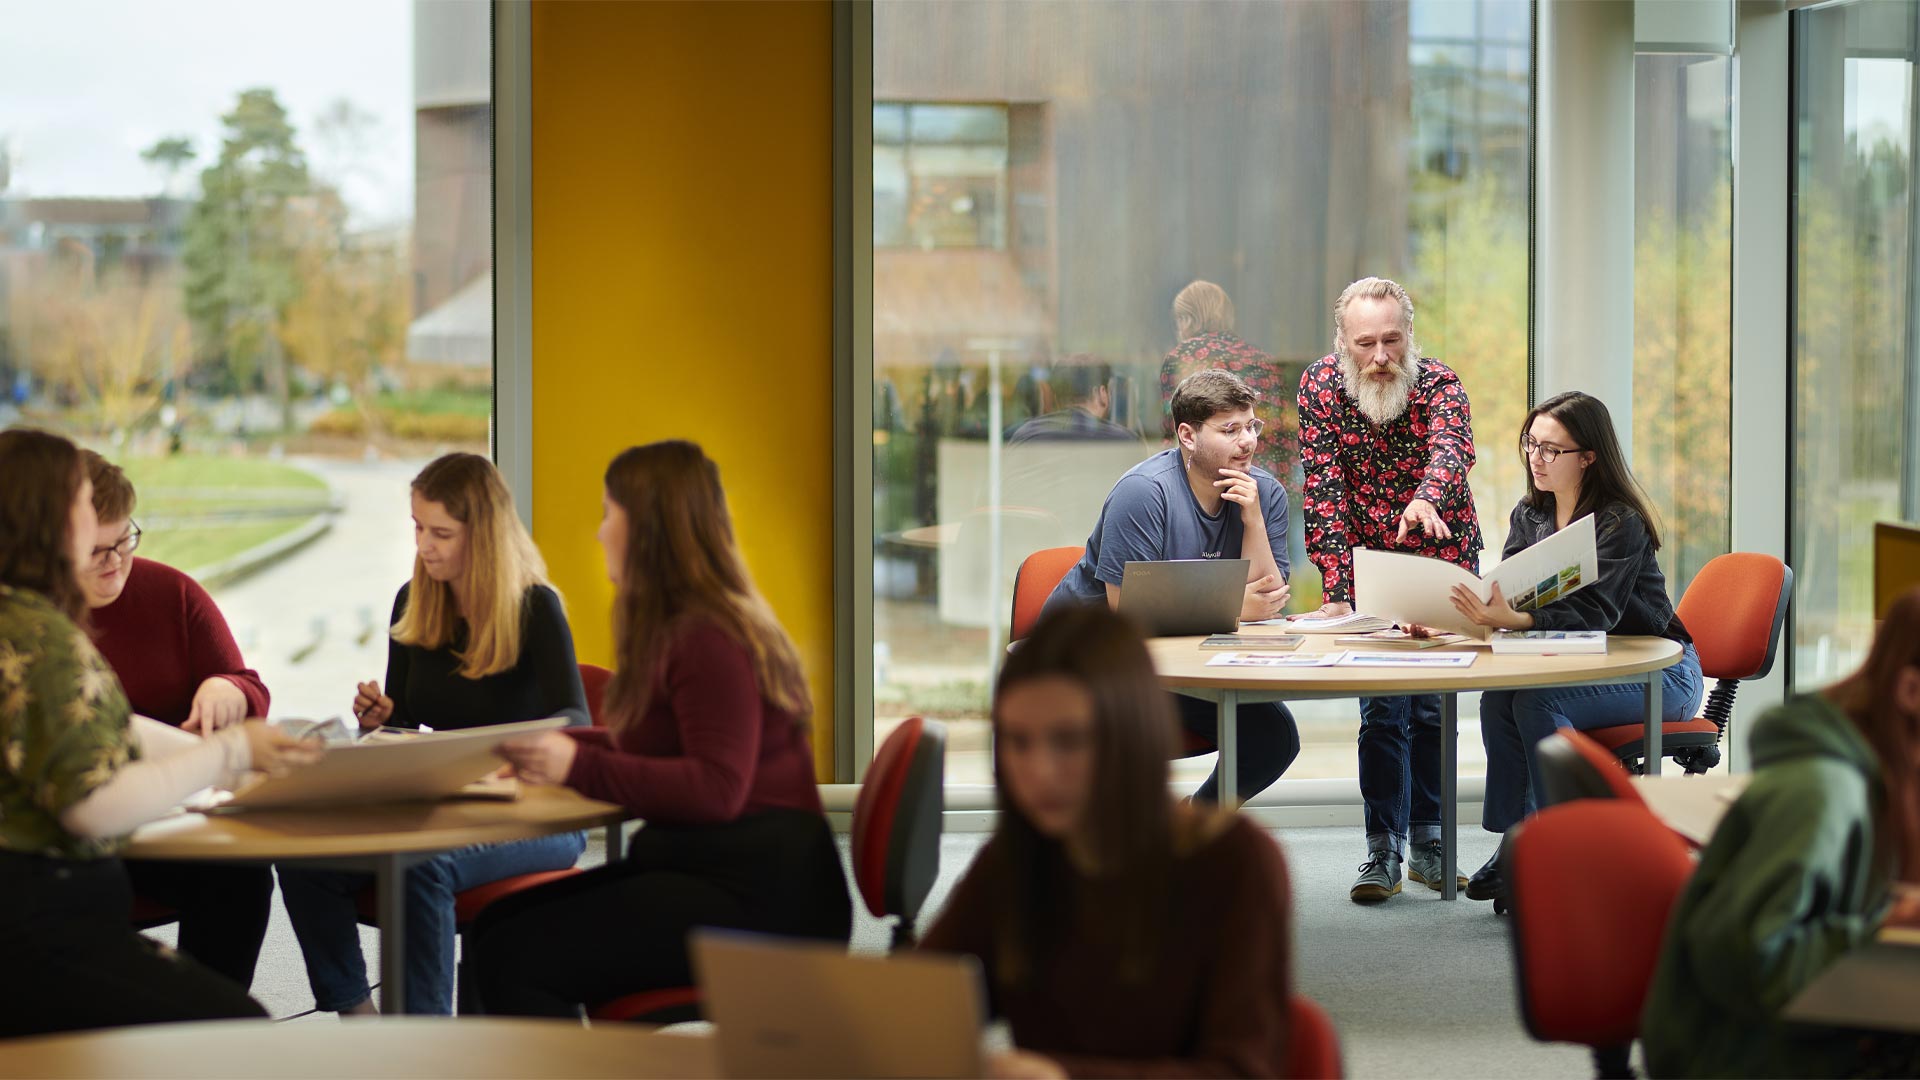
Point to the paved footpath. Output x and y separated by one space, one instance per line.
315 624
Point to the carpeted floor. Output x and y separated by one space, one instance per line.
1416 986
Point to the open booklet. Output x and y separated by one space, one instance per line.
1405 589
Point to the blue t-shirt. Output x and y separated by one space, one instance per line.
1151 515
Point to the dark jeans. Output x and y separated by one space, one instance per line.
223 910
622 928
1512 723
1400 770
1267 740
72 962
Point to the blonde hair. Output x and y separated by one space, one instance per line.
1372 288
1202 308
502 564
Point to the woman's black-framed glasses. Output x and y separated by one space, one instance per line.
124 547
1531 446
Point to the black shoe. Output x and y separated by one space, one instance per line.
1487 883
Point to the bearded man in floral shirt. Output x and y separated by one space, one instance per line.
1386 440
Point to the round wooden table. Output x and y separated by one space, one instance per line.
411 1046
1182 667
383 838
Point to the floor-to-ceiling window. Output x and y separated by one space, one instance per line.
1854 349
1048 176
246 253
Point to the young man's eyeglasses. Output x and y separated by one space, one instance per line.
124 547
1233 430
1531 446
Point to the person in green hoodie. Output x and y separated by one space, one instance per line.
1798 874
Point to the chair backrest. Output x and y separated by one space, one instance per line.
1592 883
1734 608
1313 1049
1573 766
1034 582
896 823
594 678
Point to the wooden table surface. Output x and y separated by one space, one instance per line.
369 829
1181 662
474 1048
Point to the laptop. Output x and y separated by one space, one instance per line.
429 765
788 1007
1180 597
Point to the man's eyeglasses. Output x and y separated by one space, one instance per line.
1233 430
1531 446
124 547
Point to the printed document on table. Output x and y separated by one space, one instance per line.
1414 589
1274 660
1403 660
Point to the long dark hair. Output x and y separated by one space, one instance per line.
682 561
1129 814
1607 480
1867 697
43 476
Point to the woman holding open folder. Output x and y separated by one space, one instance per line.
706 738
1574 468
1122 933
78 773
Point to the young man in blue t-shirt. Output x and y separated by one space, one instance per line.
1203 499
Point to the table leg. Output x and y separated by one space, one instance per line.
1654 729
1449 796
390 901
615 852
1228 738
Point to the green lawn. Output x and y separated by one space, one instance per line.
195 511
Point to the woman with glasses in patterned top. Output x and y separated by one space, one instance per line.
174 654
1574 469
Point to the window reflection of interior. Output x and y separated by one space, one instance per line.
940 176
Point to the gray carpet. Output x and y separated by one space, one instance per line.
1416 986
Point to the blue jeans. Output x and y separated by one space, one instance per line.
1512 722
1400 770
1266 740
325 919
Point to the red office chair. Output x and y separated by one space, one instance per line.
1039 573
1734 609
1313 1052
1573 766
1586 937
594 679
895 849
896 824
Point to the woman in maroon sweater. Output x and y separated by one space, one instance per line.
707 740
173 653
1122 934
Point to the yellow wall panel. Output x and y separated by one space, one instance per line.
682 285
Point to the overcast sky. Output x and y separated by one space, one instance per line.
85 85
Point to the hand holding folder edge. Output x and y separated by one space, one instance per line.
1409 589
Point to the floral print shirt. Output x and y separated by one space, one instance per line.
1258 370
64 727
1359 478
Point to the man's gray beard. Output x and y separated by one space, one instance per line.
1380 402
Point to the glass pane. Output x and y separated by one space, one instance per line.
958 124
261 281
1148 145
889 124
1683 304
889 197
1854 354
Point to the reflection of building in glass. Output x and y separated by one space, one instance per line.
453 185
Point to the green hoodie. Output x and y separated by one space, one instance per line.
1786 887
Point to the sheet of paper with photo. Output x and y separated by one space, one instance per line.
1409 589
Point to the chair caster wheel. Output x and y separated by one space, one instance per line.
1500 905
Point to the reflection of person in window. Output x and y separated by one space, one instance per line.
1203 320
1085 385
1121 933
1386 440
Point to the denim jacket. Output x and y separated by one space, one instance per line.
1629 596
